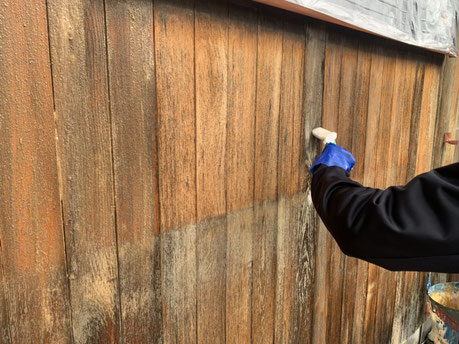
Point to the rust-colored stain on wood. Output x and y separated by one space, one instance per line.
154 178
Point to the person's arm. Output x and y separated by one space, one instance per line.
414 227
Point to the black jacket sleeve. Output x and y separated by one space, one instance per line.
413 227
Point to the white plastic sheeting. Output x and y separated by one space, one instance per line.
431 24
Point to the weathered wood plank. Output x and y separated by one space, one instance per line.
306 279
211 45
242 59
291 169
424 159
264 271
385 157
428 113
354 103
291 221
77 30
5 325
447 114
34 288
370 171
239 276
313 93
331 74
406 67
266 144
178 284
175 84
415 115
331 110
133 112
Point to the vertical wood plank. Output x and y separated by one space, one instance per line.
330 96
314 89
211 115
447 114
291 170
175 84
424 160
428 113
385 157
359 138
34 288
266 144
291 220
178 285
133 109
331 106
174 53
242 60
77 31
305 280
370 168
354 102
403 105
239 276
211 106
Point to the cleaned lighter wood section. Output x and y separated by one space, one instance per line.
134 118
175 92
34 289
78 52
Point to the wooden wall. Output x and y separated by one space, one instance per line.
153 172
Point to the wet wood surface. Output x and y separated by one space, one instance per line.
154 159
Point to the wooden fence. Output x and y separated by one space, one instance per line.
153 172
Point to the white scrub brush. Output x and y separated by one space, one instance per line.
325 135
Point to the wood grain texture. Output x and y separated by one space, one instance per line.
242 61
313 93
34 287
239 276
5 326
267 106
331 112
180 175
354 103
291 169
178 284
133 113
406 67
359 136
77 30
266 153
175 84
211 45
291 215
174 27
385 156
447 116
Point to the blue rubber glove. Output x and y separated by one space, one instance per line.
334 155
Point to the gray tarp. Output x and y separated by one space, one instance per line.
431 24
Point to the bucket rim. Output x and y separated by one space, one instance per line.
455 284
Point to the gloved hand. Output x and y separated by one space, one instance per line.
334 155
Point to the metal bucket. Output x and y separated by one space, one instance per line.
443 306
